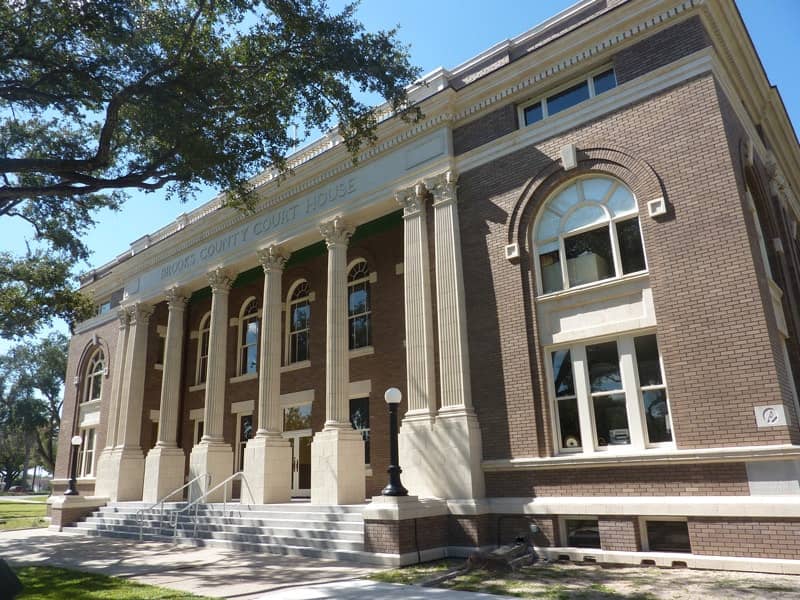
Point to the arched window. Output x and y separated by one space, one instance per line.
588 231
249 325
358 305
298 327
93 383
202 350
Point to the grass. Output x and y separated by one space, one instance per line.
21 515
51 583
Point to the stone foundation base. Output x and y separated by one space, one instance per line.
337 467
120 474
66 510
163 473
215 460
267 471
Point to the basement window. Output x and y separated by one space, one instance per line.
582 533
568 97
668 536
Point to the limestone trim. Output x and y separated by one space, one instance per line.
421 378
337 233
169 409
651 457
272 259
220 282
116 381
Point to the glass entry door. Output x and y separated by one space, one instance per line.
297 429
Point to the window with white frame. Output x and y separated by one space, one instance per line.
610 394
359 311
249 325
244 431
86 454
299 323
95 370
587 232
202 349
568 97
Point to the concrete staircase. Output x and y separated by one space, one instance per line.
295 529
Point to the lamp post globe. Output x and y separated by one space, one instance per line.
393 396
75 443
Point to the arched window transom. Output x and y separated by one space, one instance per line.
587 232
95 371
359 310
299 326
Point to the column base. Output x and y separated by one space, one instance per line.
163 473
419 456
267 470
216 459
337 467
120 474
458 436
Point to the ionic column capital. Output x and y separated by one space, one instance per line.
139 313
220 280
176 300
412 199
272 258
443 187
336 232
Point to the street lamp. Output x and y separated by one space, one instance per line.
73 476
393 396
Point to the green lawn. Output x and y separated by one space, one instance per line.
21 515
51 583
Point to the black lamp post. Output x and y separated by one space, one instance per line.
73 476
393 396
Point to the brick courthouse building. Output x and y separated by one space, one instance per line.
581 268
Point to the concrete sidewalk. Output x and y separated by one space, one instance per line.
209 571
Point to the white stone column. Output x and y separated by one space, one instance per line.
421 467
337 452
105 467
457 426
213 455
268 456
126 464
163 470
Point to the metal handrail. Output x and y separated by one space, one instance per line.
140 513
175 515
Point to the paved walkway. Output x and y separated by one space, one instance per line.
210 571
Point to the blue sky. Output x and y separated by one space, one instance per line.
447 33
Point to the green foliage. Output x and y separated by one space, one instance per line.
103 96
21 515
37 371
52 583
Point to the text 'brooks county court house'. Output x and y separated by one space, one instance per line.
581 269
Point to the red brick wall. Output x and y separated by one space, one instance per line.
619 534
410 535
728 479
758 538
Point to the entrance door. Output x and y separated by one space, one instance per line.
297 429
301 462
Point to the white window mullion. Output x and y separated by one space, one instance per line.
580 375
562 255
612 228
633 401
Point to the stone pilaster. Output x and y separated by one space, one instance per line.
105 468
268 456
416 440
164 465
457 430
124 476
337 452
212 455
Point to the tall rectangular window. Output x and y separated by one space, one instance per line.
359 419
654 392
86 457
566 401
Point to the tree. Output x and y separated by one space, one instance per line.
103 96
37 371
